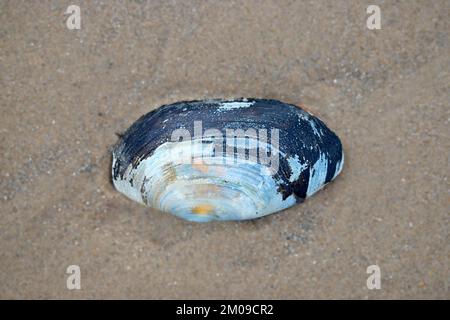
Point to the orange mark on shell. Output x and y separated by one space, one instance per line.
203 209
199 165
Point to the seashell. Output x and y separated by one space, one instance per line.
225 160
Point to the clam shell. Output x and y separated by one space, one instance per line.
225 160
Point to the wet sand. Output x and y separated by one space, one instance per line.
65 94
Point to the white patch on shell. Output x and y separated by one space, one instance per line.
339 166
296 167
317 175
309 118
314 128
125 186
224 106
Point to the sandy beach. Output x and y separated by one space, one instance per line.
66 94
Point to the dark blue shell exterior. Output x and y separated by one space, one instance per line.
300 135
